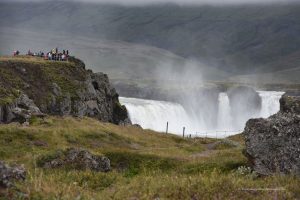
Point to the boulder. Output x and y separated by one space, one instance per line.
8 174
21 110
75 159
273 144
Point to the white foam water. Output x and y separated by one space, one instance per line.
151 114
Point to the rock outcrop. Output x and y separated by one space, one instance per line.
10 174
31 88
273 144
75 159
21 110
95 99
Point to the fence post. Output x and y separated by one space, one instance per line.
183 132
167 129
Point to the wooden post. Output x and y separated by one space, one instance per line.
183 131
167 129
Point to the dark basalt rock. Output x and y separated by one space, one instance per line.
78 159
9 174
290 104
273 144
21 110
96 99
60 88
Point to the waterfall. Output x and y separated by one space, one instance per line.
151 114
270 102
154 115
224 116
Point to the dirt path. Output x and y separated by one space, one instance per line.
209 150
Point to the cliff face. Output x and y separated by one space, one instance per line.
31 86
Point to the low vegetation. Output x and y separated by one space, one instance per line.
145 164
35 76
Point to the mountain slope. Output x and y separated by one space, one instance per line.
119 59
243 39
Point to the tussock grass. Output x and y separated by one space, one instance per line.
145 164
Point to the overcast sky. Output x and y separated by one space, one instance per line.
181 2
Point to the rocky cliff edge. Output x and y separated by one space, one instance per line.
32 87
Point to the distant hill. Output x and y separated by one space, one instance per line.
236 39
121 60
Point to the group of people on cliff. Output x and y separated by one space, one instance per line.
53 55
57 56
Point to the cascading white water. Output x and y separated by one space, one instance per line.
224 116
270 102
154 115
151 114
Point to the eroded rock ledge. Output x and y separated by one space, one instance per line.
37 87
273 144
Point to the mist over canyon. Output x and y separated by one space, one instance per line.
205 114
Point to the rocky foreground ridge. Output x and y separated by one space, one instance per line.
273 144
31 87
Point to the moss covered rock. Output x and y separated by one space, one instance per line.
59 88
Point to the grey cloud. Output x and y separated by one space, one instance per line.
180 2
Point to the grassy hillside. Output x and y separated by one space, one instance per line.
35 76
145 164
240 39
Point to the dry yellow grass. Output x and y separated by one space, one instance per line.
157 165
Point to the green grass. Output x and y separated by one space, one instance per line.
35 76
145 164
